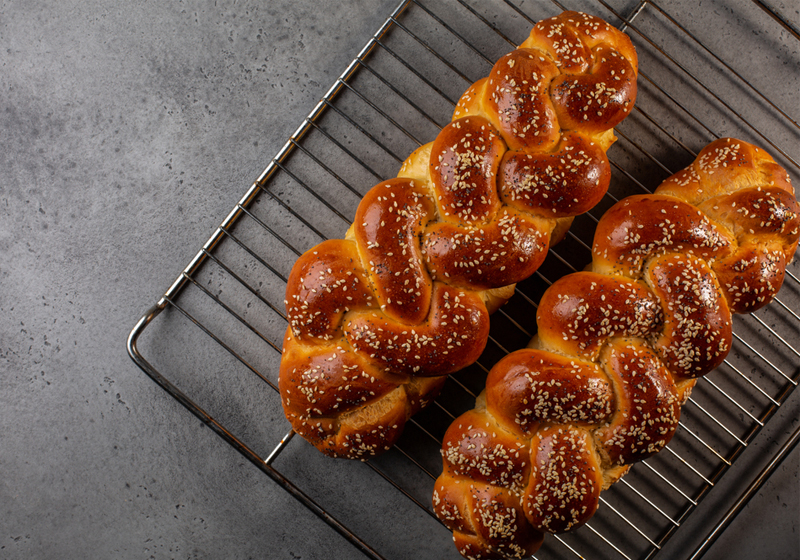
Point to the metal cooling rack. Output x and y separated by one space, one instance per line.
395 95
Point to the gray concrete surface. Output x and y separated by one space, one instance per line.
127 132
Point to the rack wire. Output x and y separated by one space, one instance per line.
394 96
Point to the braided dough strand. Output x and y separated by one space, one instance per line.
618 349
378 319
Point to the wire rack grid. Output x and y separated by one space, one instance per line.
394 96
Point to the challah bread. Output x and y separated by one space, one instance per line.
376 320
618 348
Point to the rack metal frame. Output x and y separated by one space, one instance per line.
717 436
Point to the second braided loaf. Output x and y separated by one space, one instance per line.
618 349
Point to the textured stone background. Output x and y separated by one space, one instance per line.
127 132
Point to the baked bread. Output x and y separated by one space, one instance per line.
618 349
376 320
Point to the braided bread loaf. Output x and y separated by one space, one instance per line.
378 318
619 348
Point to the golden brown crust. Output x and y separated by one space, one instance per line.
325 284
566 479
566 182
531 387
463 163
582 311
508 250
603 95
647 407
569 37
488 514
406 295
696 335
644 225
524 109
619 347
437 346
482 452
398 276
